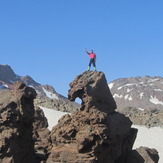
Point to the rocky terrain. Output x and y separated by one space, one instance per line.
16 117
146 117
132 96
46 94
96 133
138 92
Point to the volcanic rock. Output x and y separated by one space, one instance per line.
16 118
96 133
41 135
46 94
91 87
91 137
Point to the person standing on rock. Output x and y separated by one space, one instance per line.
92 59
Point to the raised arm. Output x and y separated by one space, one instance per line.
86 51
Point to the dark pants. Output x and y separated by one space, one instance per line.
92 61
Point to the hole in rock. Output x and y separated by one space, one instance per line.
78 100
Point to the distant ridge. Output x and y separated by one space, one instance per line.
47 96
138 92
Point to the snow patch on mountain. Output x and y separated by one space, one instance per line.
141 95
127 85
128 98
159 90
50 94
153 80
3 85
52 116
149 137
129 90
111 85
155 100
118 96
141 109
138 92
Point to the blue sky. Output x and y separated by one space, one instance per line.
46 38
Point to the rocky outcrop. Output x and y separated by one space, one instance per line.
148 118
96 133
41 135
91 87
16 118
46 94
91 137
7 74
24 136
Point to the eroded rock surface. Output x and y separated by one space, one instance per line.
16 118
91 87
96 134
91 137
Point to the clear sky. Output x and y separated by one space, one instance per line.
46 38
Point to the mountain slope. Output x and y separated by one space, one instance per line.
139 92
47 96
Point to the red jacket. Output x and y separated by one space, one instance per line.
92 55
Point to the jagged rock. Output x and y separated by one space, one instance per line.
143 155
96 133
91 137
16 118
7 74
46 94
91 87
41 135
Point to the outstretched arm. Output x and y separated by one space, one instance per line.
86 51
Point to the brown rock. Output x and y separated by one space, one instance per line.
96 133
91 87
41 135
91 137
16 118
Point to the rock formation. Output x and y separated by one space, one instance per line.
96 133
41 135
16 118
46 94
91 87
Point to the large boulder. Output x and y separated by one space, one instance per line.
16 118
96 133
91 137
91 87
